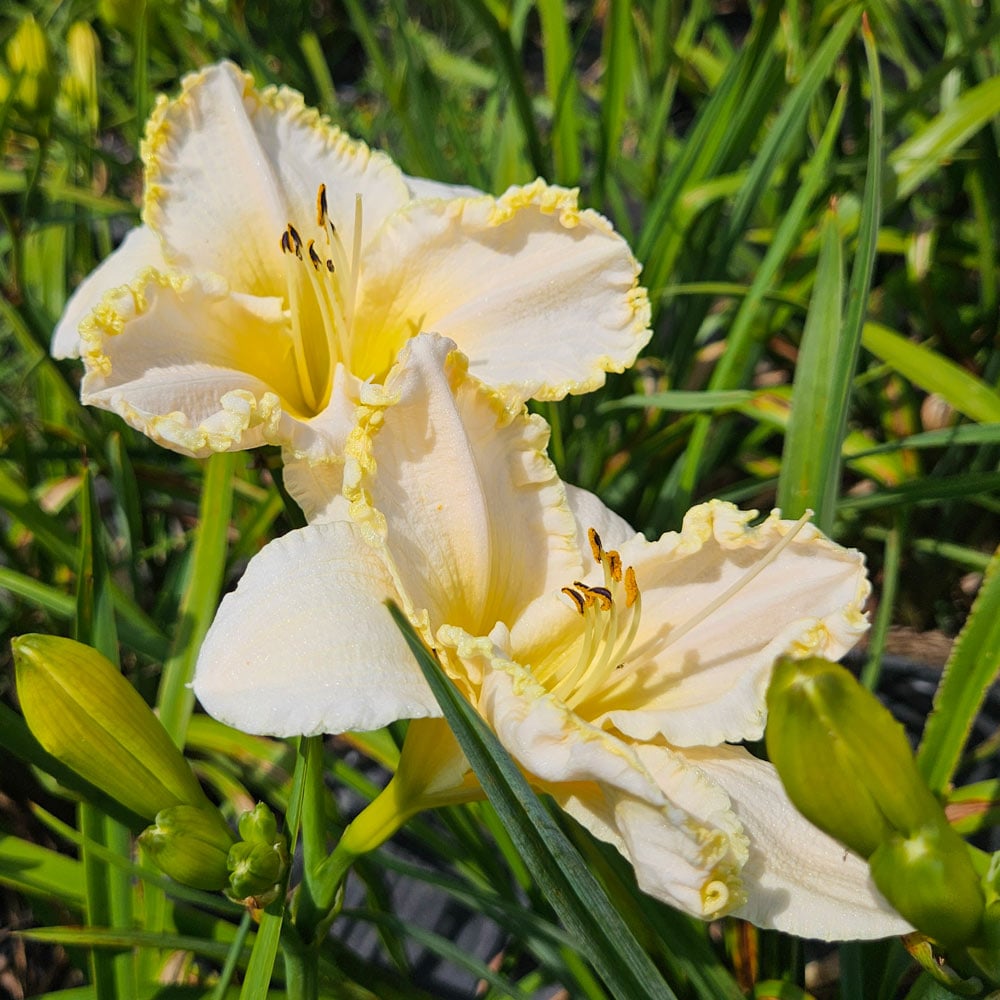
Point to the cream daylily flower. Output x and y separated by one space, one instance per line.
281 264
594 654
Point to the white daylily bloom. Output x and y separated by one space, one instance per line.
593 653
281 264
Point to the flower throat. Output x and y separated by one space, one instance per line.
611 616
333 279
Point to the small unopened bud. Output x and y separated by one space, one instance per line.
83 51
929 878
259 826
88 716
191 845
259 862
844 761
29 62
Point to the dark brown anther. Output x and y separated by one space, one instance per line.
615 565
317 261
296 240
321 205
576 598
595 544
286 242
329 265
602 595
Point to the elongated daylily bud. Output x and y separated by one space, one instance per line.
29 62
87 715
844 761
83 51
191 845
258 863
929 878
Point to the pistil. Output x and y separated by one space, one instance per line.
743 581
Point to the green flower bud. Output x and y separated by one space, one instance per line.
258 864
83 52
30 64
191 845
88 716
844 761
259 826
929 878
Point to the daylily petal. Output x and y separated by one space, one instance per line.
424 187
708 685
229 167
271 664
797 879
460 489
541 296
590 512
196 368
138 251
313 458
675 827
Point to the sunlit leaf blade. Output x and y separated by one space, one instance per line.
561 83
934 372
201 593
569 886
39 871
811 461
812 439
971 669
921 155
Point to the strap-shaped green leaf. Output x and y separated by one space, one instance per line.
574 893
971 669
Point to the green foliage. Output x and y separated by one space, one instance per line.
785 206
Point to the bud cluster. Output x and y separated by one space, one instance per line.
88 716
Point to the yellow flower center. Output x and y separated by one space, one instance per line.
611 620
611 616
332 287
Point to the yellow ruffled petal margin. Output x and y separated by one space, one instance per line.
539 313
675 826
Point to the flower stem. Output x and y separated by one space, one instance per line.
318 898
301 967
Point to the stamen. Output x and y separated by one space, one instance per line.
595 544
600 594
747 577
294 308
355 254
604 648
631 588
615 566
576 598
321 206
333 278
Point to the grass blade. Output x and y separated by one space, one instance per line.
812 441
559 870
971 669
934 372
561 84
811 462
201 593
